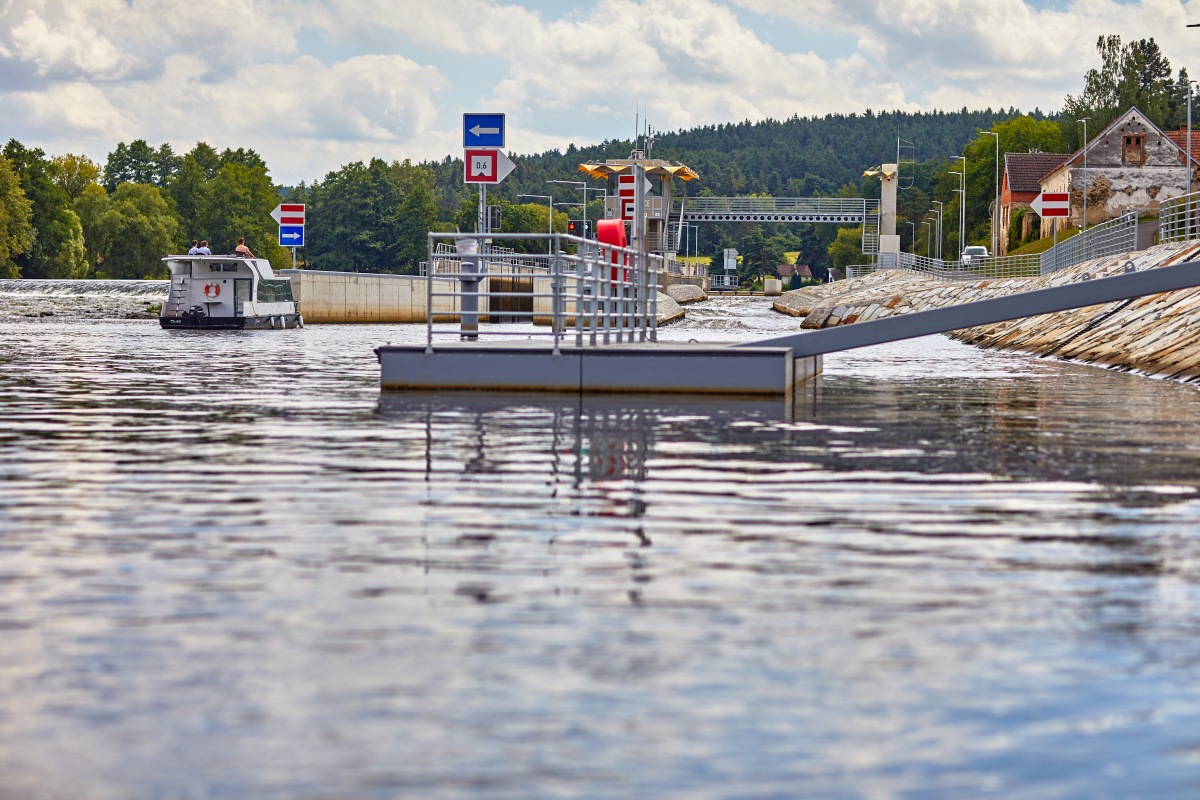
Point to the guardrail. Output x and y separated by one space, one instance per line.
602 293
1115 237
1179 218
771 205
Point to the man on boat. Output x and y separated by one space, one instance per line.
204 251
195 251
242 250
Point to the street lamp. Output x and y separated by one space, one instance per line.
962 200
1191 168
1084 120
585 188
928 229
550 230
996 205
695 241
962 210
912 241
940 208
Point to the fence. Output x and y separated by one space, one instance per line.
1179 218
1115 237
603 293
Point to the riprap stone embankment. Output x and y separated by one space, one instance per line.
1155 335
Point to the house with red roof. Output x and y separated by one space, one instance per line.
1019 185
1131 165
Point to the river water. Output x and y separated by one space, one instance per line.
230 568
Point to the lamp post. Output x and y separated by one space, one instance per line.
585 188
928 228
1084 120
912 241
962 195
1190 168
694 238
996 205
940 208
962 209
550 227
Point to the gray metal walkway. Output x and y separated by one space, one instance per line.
1083 293
846 211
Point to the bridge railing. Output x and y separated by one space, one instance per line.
770 205
1115 237
1179 218
603 293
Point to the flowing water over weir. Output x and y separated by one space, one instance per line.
229 567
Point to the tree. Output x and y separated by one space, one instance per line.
846 248
1133 74
74 173
238 202
92 209
57 250
136 228
16 232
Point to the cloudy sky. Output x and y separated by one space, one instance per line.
314 84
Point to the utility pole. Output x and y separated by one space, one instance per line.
1084 120
996 204
962 210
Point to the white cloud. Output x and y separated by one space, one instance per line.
391 79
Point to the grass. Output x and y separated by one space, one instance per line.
1042 245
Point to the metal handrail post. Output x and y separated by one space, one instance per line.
654 306
429 296
555 301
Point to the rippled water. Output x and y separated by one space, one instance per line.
229 568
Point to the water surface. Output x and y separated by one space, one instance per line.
230 568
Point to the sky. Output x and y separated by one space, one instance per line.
313 85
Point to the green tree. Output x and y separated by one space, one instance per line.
74 173
16 231
239 202
139 229
57 250
92 208
846 248
1131 74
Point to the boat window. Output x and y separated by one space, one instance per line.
274 291
223 267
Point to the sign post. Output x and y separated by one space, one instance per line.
1049 205
290 217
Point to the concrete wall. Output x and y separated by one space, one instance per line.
357 297
342 297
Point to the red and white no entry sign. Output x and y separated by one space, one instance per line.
1052 204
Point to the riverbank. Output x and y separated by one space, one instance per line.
55 300
1154 335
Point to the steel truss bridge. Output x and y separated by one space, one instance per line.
836 210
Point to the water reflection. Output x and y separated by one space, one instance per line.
936 572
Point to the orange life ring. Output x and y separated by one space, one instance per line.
212 290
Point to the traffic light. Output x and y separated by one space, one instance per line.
577 227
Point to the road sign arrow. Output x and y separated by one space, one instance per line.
295 236
479 130
289 214
1051 204
503 166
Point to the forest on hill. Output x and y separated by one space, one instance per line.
64 216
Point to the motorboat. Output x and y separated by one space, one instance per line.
223 292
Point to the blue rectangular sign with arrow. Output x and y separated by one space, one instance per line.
483 130
291 236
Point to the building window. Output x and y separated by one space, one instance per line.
1133 148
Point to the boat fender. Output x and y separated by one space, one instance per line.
299 320
272 318
212 290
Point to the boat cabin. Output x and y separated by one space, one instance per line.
227 292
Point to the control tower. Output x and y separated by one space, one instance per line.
662 234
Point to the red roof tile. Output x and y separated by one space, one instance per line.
1026 170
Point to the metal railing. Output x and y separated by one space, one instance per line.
601 294
1179 218
1115 237
821 206
724 282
